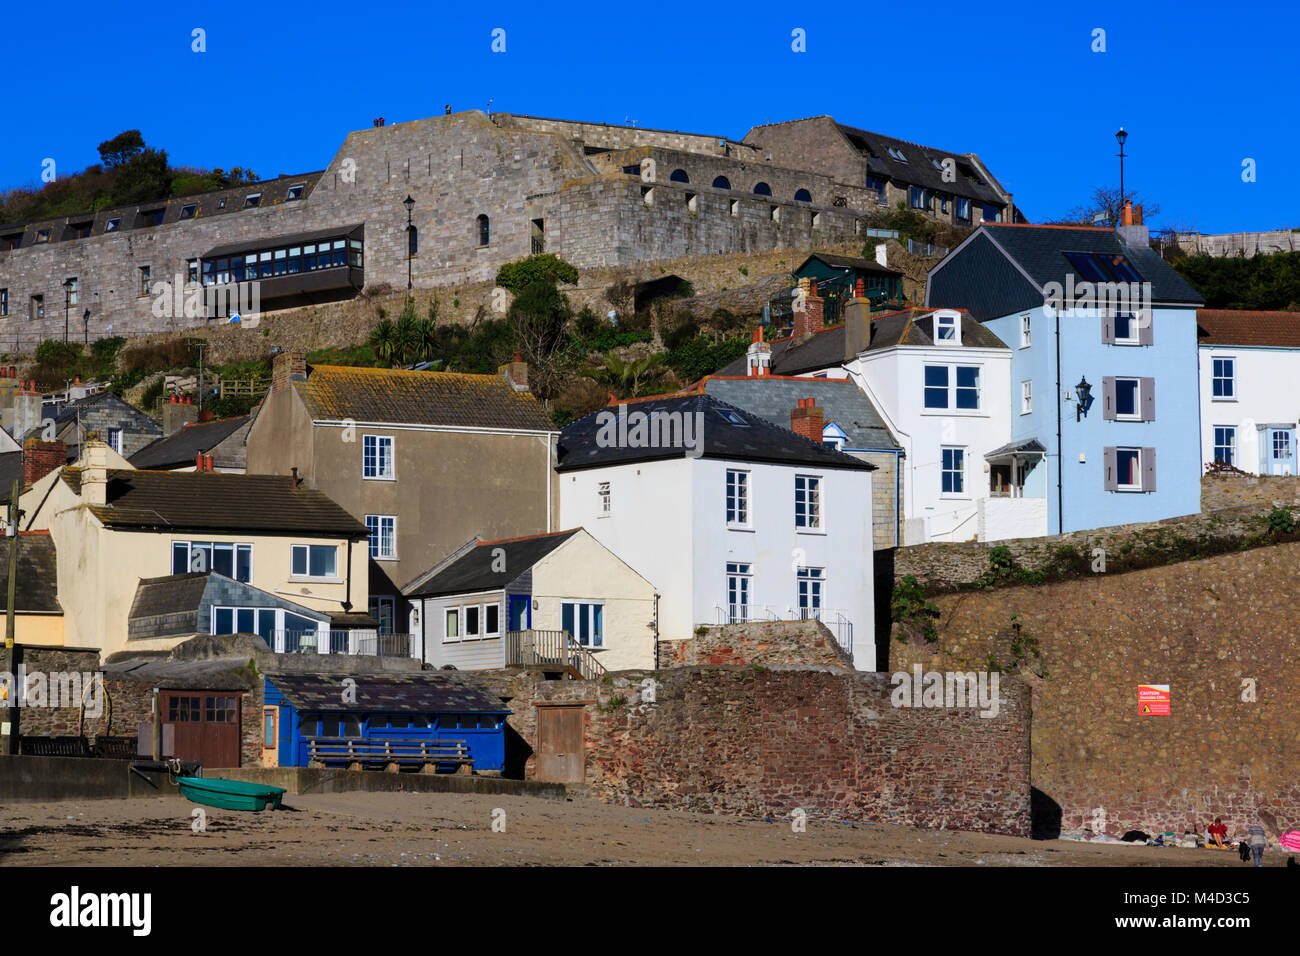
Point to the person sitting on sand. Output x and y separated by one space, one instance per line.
1218 834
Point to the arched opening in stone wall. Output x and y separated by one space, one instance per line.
484 230
802 195
762 189
722 182
679 176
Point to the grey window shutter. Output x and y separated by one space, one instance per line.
1145 318
1108 397
1148 388
1108 330
1148 469
1108 458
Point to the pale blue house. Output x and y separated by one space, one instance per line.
1104 382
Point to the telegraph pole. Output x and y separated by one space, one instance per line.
11 715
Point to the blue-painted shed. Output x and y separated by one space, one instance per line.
378 713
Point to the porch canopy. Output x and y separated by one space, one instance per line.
1022 448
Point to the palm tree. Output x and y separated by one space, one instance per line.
383 339
628 377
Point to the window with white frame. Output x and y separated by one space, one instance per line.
738 582
1225 444
602 492
1224 384
314 561
584 621
811 581
945 329
1128 469
1126 329
1024 332
383 535
952 387
115 439
737 498
451 625
223 557
1128 397
377 456
807 502
471 622
1026 397
953 471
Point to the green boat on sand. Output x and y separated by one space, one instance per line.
230 794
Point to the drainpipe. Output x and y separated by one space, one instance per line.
347 594
1060 452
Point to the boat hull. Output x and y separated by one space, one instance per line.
230 794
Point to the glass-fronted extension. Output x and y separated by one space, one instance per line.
313 267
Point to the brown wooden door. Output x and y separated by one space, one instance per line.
207 727
560 755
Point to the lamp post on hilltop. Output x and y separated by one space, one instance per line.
1121 137
409 203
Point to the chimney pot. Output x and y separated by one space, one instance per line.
198 461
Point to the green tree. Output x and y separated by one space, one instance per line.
628 379
515 277
383 339
121 148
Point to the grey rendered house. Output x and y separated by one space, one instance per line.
428 460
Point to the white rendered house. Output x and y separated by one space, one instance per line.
731 517
1249 364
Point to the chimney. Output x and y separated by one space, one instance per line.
857 328
288 366
809 319
758 357
1131 231
294 481
806 420
516 373
40 458
176 415
94 473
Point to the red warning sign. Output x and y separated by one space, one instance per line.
1153 700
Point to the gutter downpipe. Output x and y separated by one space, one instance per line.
1060 452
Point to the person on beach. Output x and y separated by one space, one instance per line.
1218 834
1258 840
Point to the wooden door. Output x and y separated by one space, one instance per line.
206 726
560 752
270 736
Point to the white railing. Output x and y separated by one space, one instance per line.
340 642
837 621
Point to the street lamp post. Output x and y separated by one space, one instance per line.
1121 137
85 325
67 305
409 203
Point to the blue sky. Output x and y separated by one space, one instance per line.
1199 86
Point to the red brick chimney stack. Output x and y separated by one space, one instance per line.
42 457
516 372
809 319
807 420
288 366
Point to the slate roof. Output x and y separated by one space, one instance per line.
1027 446
399 396
292 239
170 594
386 694
841 401
36 585
222 673
754 439
918 170
11 468
913 327
825 349
849 262
979 275
181 446
1238 327
217 501
473 571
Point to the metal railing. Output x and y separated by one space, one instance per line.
539 648
340 642
836 621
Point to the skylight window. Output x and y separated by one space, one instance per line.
897 154
252 199
113 225
1103 267
188 210
295 192
733 417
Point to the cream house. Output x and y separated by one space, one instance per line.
548 601
278 544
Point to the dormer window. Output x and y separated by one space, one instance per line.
947 328
113 224
252 200
188 210
295 192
